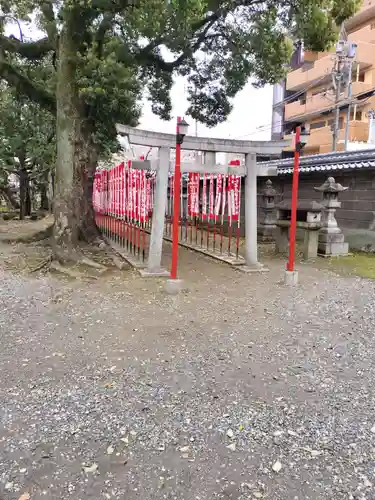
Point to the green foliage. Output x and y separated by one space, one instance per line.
126 47
27 136
110 90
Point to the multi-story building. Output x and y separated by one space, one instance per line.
309 96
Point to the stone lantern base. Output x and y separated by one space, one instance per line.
266 233
331 241
332 244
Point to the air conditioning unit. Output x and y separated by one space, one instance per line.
340 47
352 50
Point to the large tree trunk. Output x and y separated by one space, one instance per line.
28 197
44 202
76 159
43 191
23 176
86 162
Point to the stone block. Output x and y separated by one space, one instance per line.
291 278
174 287
282 239
310 248
334 249
154 273
331 237
266 233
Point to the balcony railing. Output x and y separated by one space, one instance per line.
322 68
358 131
313 104
321 139
320 102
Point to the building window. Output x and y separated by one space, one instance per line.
357 116
361 77
331 122
317 125
292 97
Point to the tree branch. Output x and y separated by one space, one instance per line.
50 20
205 24
146 53
26 87
30 50
104 26
113 6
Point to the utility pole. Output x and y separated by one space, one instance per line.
337 78
342 76
351 53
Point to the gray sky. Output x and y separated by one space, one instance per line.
252 109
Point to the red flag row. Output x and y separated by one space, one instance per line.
124 192
219 193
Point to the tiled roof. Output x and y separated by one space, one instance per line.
327 162
330 166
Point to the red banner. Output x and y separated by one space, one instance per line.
234 193
219 192
133 187
204 197
104 196
193 194
235 197
148 197
114 188
211 198
142 202
124 192
224 198
121 190
110 190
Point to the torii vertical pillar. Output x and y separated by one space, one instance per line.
157 229
251 219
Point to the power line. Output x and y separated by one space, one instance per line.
265 128
300 92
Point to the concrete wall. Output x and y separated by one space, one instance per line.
358 202
357 214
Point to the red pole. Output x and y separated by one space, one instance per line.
176 206
293 220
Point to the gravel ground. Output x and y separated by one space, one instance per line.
237 389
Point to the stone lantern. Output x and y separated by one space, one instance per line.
267 226
331 240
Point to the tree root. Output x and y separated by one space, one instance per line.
44 234
68 260
91 263
42 265
55 265
111 253
72 273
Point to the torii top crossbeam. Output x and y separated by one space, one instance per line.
148 138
